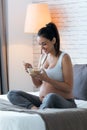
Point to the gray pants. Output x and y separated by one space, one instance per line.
52 100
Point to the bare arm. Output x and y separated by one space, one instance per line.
67 74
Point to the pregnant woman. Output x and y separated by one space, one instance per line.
55 78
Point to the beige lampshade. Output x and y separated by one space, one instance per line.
37 16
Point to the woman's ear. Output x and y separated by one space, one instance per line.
54 40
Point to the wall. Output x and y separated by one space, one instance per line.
70 16
19 45
71 19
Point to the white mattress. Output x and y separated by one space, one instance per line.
10 120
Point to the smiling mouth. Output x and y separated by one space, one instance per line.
44 50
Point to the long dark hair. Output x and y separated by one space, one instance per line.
49 32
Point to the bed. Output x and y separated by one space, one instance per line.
20 119
16 118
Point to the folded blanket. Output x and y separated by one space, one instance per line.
55 119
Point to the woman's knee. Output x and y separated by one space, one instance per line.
12 95
48 101
50 97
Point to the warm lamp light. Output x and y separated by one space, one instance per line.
37 16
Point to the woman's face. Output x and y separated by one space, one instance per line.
47 46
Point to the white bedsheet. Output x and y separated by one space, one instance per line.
20 121
81 103
23 121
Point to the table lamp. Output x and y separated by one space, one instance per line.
37 16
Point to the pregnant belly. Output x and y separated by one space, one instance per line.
48 88
45 89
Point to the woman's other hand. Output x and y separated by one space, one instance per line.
42 75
